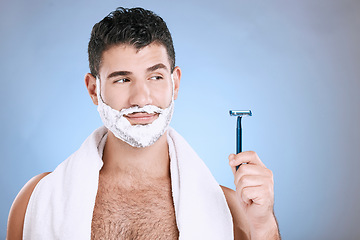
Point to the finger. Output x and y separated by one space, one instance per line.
249 157
245 169
253 181
233 163
255 195
253 170
232 158
249 195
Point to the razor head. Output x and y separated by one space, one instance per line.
240 113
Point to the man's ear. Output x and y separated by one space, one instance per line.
90 82
177 77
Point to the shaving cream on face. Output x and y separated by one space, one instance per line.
135 135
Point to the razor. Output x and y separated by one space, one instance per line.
239 114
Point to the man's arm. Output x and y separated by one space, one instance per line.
18 209
241 226
253 200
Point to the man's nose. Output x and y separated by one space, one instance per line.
140 95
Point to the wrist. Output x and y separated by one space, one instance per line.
267 230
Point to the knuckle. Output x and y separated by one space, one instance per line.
244 180
241 181
246 191
269 189
271 177
251 153
269 173
254 154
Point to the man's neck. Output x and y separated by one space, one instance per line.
124 161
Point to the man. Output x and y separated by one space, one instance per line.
137 178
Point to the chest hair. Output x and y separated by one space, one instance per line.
141 212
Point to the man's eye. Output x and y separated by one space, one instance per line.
122 80
156 78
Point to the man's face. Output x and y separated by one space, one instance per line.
131 77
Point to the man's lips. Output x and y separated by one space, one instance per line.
141 118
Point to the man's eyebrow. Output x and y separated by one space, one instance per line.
156 67
127 73
119 73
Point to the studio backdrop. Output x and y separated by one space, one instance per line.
295 64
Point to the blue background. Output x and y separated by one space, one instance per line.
295 64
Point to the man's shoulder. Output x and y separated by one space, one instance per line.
18 208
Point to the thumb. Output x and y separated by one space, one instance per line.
231 160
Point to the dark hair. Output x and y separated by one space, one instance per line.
135 26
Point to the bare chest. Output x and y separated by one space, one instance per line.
139 213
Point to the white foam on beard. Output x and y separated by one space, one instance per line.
135 135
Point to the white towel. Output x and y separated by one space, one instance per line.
61 205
